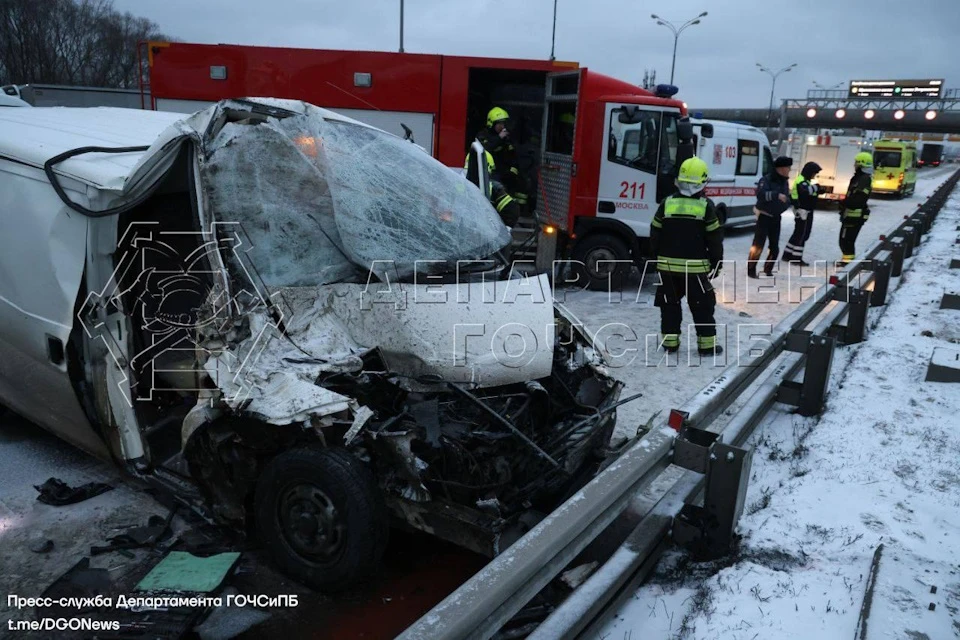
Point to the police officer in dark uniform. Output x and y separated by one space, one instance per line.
803 194
687 240
773 198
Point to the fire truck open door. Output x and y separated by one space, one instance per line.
557 166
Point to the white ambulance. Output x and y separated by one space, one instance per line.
737 155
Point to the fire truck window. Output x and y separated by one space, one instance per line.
669 142
638 141
748 157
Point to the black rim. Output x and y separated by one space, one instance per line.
593 262
310 523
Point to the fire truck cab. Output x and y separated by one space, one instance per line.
594 184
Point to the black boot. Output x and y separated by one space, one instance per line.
752 261
715 350
770 263
788 257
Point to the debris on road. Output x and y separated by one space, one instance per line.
182 571
41 545
58 493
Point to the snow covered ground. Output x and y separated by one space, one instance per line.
880 466
627 323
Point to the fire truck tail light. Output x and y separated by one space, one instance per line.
549 229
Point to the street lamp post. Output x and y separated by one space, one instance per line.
676 34
553 38
401 26
773 87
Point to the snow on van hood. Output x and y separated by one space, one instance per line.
484 334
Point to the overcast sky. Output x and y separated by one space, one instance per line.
832 41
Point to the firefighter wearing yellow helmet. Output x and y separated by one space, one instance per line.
496 140
687 240
854 210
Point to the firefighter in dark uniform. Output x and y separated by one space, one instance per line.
496 140
505 205
687 240
854 210
804 198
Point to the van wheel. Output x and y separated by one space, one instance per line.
321 518
592 251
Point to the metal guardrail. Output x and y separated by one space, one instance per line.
490 598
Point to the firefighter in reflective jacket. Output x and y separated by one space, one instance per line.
496 140
854 210
505 205
687 240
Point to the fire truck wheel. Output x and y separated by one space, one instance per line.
595 255
321 518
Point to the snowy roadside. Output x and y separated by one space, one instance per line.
745 307
879 466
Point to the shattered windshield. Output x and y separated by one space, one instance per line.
319 201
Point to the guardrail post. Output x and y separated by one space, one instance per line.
707 531
881 282
896 248
922 219
808 396
906 232
858 300
917 234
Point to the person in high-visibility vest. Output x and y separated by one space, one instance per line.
496 140
803 194
504 203
854 210
687 240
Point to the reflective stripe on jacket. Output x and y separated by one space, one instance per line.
685 234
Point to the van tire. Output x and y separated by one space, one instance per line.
596 247
305 491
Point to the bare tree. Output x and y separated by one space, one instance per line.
73 42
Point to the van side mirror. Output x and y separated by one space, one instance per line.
684 129
706 130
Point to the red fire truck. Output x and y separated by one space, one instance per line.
595 184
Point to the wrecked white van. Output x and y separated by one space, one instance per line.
298 324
